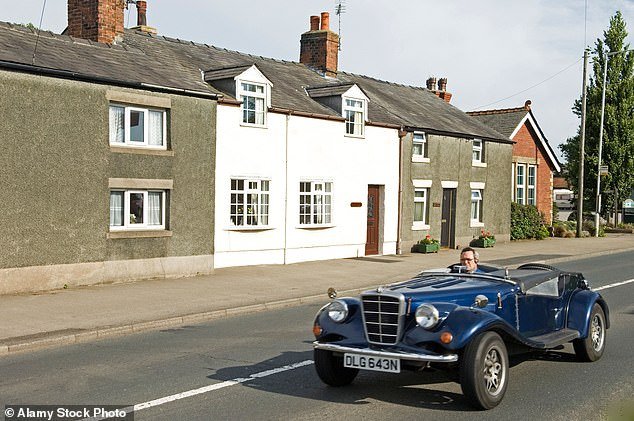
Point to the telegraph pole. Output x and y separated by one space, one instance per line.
582 144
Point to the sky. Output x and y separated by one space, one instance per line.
494 53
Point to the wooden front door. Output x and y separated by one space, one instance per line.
448 221
372 241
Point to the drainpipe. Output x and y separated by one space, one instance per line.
288 117
401 134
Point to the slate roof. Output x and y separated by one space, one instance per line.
504 121
507 120
147 59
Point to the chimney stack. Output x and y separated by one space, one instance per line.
441 92
96 20
319 47
141 9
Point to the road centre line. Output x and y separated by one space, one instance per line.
617 284
212 387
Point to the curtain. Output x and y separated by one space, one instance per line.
117 116
155 128
116 208
154 207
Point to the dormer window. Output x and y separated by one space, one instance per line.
354 113
253 97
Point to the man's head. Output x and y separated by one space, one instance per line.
469 258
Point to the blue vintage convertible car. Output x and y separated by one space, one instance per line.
466 322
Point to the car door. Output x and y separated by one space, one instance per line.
541 308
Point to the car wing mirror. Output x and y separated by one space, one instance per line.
583 284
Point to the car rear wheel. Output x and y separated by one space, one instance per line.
591 347
484 370
330 369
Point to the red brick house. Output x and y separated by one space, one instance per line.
533 159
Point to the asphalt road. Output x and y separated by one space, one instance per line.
259 367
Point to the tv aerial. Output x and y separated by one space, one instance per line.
340 9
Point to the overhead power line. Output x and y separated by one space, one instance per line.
529 88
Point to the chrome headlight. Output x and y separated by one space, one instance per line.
337 311
427 316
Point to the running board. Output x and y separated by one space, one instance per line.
553 339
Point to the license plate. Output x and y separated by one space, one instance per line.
367 362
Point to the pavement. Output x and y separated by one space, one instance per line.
82 314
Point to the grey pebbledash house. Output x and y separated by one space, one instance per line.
129 155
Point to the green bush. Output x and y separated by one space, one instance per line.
555 211
527 222
590 227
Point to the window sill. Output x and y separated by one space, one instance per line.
139 150
315 226
416 158
254 126
355 136
478 164
420 227
476 224
113 235
250 228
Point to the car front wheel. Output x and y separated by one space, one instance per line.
330 369
484 370
591 347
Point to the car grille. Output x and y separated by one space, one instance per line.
381 314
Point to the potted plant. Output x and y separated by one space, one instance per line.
426 245
485 239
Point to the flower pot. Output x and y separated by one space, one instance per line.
426 248
483 242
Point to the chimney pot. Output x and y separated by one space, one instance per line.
314 23
442 84
141 8
431 83
325 21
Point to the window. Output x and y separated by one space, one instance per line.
476 206
315 202
137 209
353 111
139 127
525 181
530 186
419 147
420 206
520 183
478 151
249 202
253 98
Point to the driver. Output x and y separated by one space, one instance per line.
470 258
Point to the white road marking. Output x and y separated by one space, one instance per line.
212 387
613 285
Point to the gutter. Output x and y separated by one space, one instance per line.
67 74
461 135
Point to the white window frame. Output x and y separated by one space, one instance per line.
260 97
531 188
315 203
127 217
354 107
127 142
477 154
520 184
424 200
476 203
420 142
257 214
